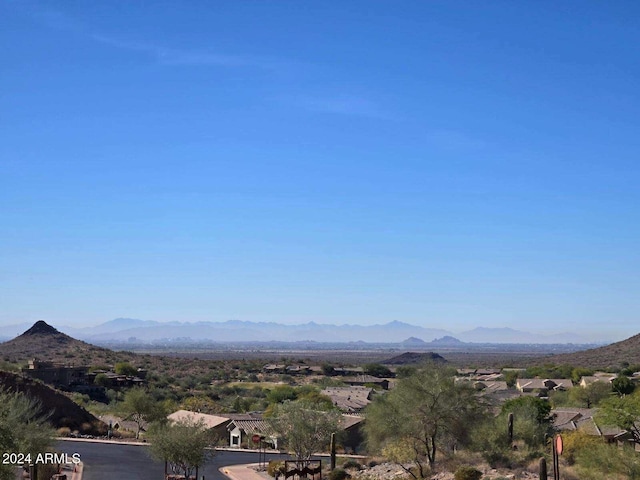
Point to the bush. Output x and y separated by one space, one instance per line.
576 442
601 460
275 467
351 463
338 474
498 459
467 473
46 470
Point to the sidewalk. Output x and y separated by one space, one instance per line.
242 472
77 472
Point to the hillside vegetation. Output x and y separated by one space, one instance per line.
615 355
61 410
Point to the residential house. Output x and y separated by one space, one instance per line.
352 436
274 368
490 386
582 419
298 370
115 380
541 387
243 428
495 393
349 399
348 371
58 375
589 379
218 424
367 380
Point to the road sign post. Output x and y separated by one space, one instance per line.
557 451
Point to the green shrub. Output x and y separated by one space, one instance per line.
467 473
351 463
275 467
339 474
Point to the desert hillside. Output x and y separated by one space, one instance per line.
613 355
64 412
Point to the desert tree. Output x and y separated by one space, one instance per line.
623 412
425 412
622 385
140 407
125 368
23 428
532 419
592 394
304 427
182 445
523 421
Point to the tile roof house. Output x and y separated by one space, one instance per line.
494 393
490 386
589 379
241 433
570 418
582 419
225 425
210 421
217 423
367 380
274 368
348 370
542 386
352 438
349 399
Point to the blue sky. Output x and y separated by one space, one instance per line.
446 164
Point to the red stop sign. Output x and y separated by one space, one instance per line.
256 438
559 444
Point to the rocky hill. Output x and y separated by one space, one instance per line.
64 412
414 358
44 342
613 355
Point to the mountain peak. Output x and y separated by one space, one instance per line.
446 340
41 328
397 324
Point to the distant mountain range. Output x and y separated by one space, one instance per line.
46 342
149 331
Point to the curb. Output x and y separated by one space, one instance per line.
98 440
78 471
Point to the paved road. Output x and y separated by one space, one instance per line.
104 461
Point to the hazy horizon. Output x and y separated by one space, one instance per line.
590 337
445 164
